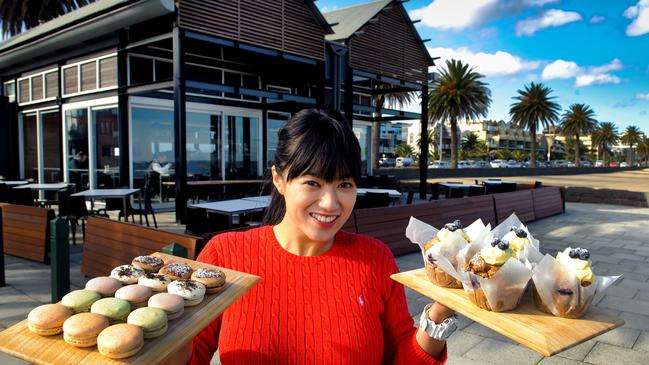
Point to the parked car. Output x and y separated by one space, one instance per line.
599 163
387 161
482 165
404 161
439 165
513 164
570 164
624 164
586 163
614 164
559 163
463 165
496 164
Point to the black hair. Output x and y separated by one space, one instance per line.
314 142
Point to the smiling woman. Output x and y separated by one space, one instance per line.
326 296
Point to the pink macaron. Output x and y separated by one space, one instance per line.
104 285
172 304
137 295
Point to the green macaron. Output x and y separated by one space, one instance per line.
79 301
116 310
153 321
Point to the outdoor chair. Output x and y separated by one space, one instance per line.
376 200
411 195
73 209
434 187
146 210
507 187
21 197
4 193
475 191
115 204
197 224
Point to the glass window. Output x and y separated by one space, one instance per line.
153 141
140 69
10 91
250 82
203 146
205 74
51 147
106 148
242 147
363 135
30 147
275 122
76 127
232 79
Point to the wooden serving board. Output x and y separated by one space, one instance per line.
18 341
542 332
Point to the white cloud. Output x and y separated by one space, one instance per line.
462 14
640 15
560 69
453 14
642 96
596 19
584 76
549 18
489 64
596 79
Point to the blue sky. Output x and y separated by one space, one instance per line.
588 51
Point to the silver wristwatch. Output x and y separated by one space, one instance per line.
436 331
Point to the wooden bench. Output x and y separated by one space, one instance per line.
109 243
388 224
26 231
519 202
548 201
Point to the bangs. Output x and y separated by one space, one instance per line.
328 150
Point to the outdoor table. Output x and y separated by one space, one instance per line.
44 187
263 199
498 182
124 194
234 206
13 183
391 192
454 186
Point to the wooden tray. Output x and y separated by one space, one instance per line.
542 332
19 342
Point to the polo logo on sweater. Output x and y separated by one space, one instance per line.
361 302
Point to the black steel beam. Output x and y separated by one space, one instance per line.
388 80
423 154
180 122
122 111
390 112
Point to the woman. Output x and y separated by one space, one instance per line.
325 295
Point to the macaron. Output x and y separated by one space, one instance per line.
120 341
157 282
116 310
136 295
81 330
213 279
153 321
104 285
191 291
177 271
127 274
79 301
172 304
148 263
47 319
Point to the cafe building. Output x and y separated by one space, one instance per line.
194 90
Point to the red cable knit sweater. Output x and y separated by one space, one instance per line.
337 308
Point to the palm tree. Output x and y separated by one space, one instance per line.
519 155
458 93
578 120
481 150
404 150
469 142
432 135
604 137
503 154
631 136
17 15
534 108
643 150
380 98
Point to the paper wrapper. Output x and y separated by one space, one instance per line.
530 256
500 293
558 291
438 271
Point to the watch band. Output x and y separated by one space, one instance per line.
440 331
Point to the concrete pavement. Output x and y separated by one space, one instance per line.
615 235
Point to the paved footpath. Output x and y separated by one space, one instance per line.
618 238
